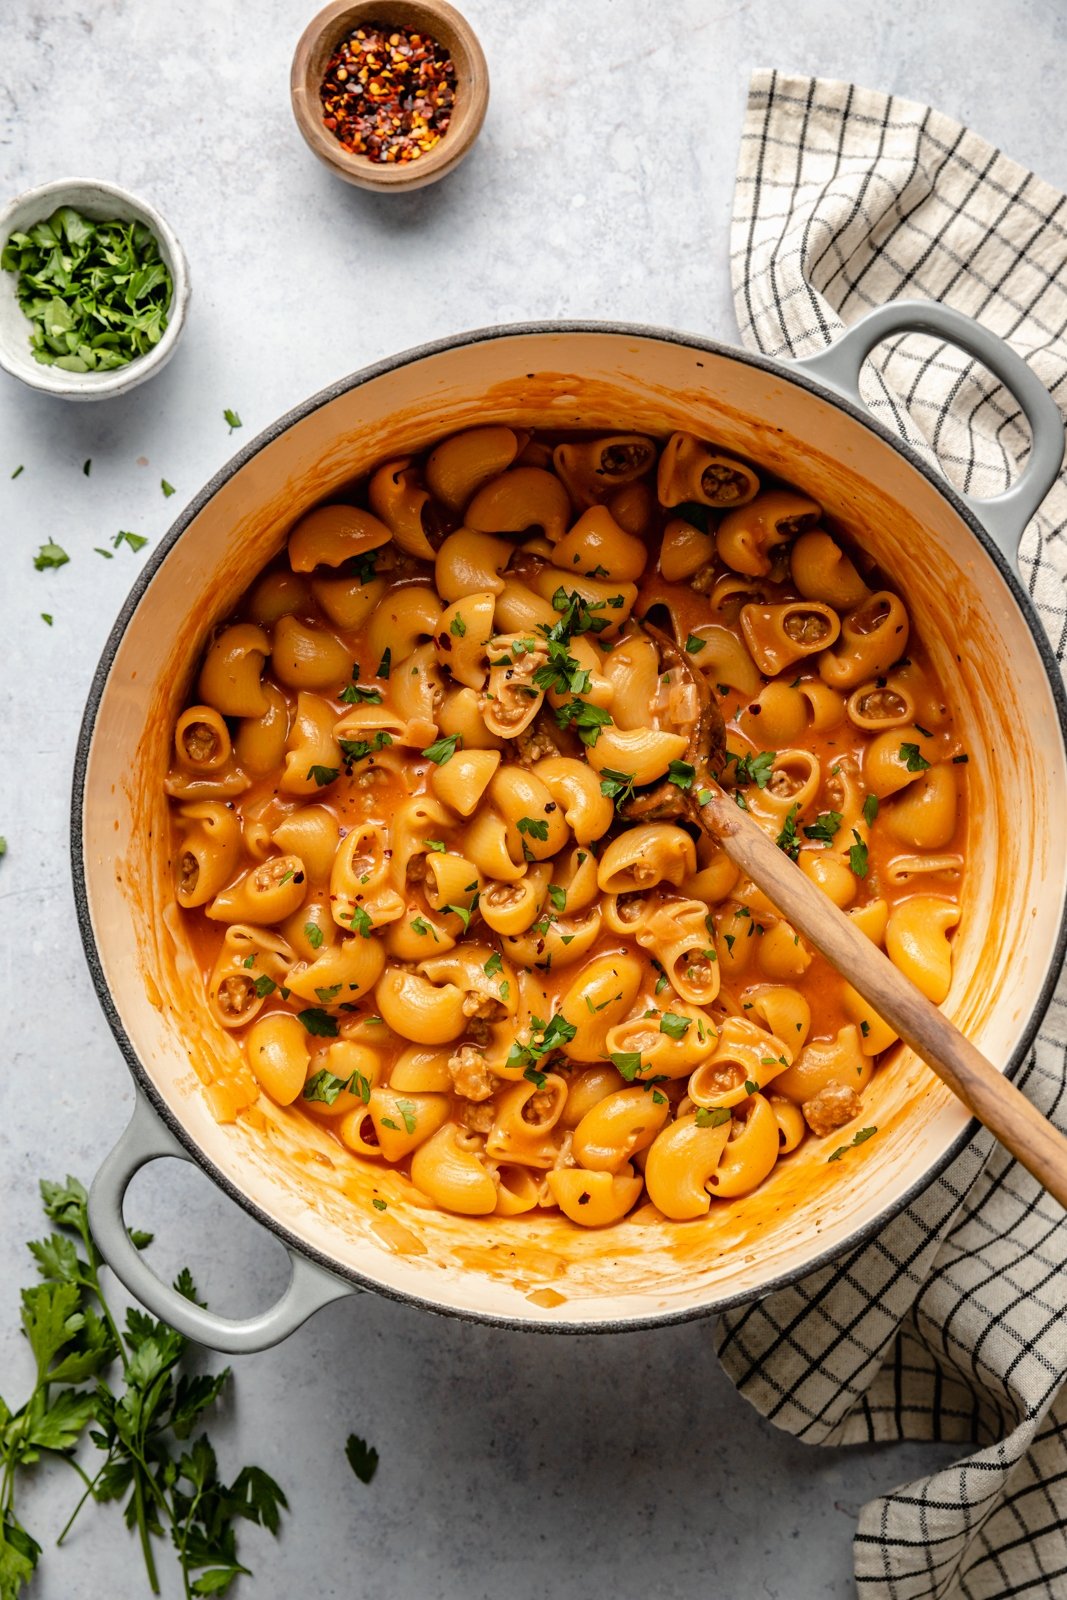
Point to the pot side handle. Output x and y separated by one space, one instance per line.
1005 515
310 1287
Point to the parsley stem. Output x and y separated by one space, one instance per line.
146 1541
91 1485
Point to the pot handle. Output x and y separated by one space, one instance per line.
1006 515
310 1287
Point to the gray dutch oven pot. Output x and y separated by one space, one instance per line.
954 558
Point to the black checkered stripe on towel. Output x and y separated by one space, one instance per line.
952 1324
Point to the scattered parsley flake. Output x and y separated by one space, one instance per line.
362 1457
233 419
825 827
857 856
858 1138
913 758
136 541
674 1026
787 838
442 750
712 1116
323 775
50 555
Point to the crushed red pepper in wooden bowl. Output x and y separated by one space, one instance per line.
388 93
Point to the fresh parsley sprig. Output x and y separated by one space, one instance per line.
141 1422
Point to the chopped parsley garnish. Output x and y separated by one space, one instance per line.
787 839
913 758
825 827
681 774
326 1088
627 1063
108 555
18 471
407 1110
535 829
361 921
857 1138
353 695
50 555
494 965
544 1037
464 913
314 935
538 1079
420 926
857 856
694 644
385 665
168 488
354 750
586 718
712 1116
457 627
562 672
323 775
319 1022
46 616
265 986
557 896
870 809
379 1205
576 615
617 786
136 541
233 419
751 1086
753 769
674 1026
442 750
329 995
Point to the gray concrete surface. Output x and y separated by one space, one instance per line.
601 187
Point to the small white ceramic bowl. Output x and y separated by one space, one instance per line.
102 202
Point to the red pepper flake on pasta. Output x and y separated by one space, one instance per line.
388 93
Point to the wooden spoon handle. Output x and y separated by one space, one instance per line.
1019 1126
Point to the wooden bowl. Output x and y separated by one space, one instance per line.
434 17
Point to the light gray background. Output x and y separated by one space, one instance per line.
601 187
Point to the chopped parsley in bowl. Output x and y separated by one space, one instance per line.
97 293
93 289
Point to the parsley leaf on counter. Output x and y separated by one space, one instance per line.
362 1457
136 541
233 419
50 555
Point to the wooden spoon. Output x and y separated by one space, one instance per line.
996 1102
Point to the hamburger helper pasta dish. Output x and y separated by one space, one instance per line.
430 827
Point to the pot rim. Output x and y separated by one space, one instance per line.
143 1083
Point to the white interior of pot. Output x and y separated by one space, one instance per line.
543 1269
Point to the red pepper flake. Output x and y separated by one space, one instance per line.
388 93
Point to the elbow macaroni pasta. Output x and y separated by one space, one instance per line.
402 847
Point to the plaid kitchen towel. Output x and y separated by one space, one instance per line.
952 1325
